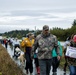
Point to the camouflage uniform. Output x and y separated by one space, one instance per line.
45 45
45 42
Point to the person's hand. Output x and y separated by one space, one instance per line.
58 57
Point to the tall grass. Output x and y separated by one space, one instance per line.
7 65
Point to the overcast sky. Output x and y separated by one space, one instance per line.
23 14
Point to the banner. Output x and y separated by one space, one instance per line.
71 52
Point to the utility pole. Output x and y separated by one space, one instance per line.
35 31
35 28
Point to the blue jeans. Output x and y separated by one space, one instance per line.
72 70
45 66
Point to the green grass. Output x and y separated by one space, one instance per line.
62 61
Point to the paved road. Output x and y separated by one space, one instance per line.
10 51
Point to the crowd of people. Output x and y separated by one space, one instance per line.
46 51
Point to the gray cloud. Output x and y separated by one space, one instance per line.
20 14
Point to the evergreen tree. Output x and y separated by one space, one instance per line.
74 22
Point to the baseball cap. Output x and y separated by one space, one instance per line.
45 27
29 34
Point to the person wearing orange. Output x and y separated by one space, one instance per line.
27 43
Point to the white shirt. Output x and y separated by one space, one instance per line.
67 43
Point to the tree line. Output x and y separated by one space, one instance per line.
61 34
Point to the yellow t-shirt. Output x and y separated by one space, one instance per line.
27 43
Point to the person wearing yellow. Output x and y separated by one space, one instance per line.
27 43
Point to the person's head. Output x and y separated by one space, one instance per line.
68 38
74 38
30 35
45 29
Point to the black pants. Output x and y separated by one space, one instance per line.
29 65
36 62
6 45
55 64
66 63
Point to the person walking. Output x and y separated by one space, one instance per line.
16 44
66 43
37 62
27 44
72 59
45 42
55 61
5 43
